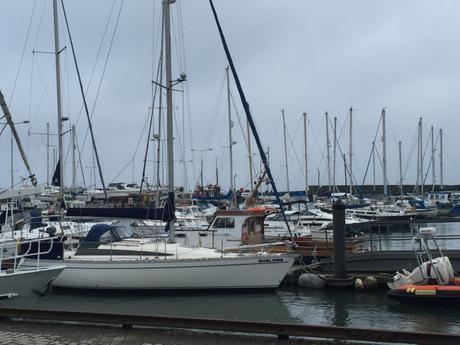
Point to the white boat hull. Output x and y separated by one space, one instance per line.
26 281
218 273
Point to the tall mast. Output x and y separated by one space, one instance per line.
373 165
217 173
384 155
318 176
441 168
201 173
251 178
47 154
334 155
420 128
59 103
328 153
230 138
74 161
400 168
350 162
305 142
160 106
169 117
432 160
285 151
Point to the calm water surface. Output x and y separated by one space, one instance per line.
309 306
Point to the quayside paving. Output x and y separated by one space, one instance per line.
51 333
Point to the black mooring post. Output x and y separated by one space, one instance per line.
338 216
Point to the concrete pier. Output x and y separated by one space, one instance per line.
40 333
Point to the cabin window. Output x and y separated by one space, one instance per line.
224 223
275 217
106 237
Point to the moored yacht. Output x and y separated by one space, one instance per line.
109 258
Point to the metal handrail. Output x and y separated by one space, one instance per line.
27 253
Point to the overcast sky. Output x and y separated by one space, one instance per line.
303 56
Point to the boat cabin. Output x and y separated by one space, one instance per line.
247 224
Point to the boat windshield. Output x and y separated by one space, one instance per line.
120 232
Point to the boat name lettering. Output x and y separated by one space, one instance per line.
271 260
425 292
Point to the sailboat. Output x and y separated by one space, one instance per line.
109 258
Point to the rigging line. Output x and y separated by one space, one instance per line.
372 151
217 106
149 116
176 40
293 148
355 182
241 126
93 70
105 67
67 76
154 41
140 137
44 93
122 170
297 128
381 165
10 101
391 129
84 101
368 164
152 110
184 157
427 170
423 156
181 147
185 88
239 120
342 131
29 115
249 117
37 31
79 161
411 153
320 147
181 35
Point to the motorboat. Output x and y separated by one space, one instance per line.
312 222
432 281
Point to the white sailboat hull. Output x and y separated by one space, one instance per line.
217 273
25 281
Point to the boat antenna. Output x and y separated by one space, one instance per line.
84 102
249 117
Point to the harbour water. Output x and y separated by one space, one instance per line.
368 309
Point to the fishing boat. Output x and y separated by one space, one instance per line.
247 229
432 281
